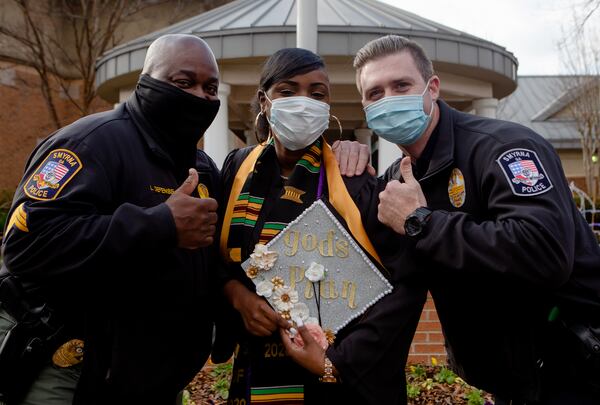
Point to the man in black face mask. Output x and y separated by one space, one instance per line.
111 228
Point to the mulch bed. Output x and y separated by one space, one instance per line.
204 388
427 385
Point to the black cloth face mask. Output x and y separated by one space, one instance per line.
178 119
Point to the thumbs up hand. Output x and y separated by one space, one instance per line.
399 200
195 218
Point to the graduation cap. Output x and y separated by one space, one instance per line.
315 246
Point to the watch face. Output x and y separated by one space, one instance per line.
412 226
416 221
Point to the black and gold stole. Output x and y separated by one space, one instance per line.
260 206
253 215
256 176
256 218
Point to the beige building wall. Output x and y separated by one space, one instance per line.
573 166
572 162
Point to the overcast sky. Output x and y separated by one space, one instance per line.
530 29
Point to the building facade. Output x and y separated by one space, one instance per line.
24 114
242 34
477 76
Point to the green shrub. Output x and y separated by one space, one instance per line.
445 376
475 397
412 391
437 384
222 374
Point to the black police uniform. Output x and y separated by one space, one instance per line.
504 245
93 237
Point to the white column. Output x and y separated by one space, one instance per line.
124 94
486 107
388 153
363 135
306 25
216 137
250 137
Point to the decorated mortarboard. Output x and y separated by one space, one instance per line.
314 270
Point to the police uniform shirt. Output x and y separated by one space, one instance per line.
505 243
90 233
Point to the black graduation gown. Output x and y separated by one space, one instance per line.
370 353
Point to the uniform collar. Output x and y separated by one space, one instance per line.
443 151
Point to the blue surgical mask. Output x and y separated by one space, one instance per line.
399 119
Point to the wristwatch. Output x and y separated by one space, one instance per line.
415 222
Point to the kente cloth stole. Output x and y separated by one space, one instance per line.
251 185
284 395
298 193
251 215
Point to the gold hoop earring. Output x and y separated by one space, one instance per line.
256 126
339 124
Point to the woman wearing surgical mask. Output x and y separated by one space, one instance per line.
266 187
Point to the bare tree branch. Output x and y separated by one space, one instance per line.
591 6
63 39
70 35
582 94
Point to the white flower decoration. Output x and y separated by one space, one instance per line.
263 258
264 289
311 320
284 298
259 248
315 272
300 310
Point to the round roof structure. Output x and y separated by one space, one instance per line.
245 29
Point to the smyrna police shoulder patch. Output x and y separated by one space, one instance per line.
524 172
52 175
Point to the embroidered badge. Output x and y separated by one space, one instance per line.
292 194
203 191
456 188
69 354
524 172
18 219
48 180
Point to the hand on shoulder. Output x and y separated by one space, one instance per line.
353 158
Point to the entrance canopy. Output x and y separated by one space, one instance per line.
243 33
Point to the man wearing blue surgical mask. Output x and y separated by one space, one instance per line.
399 99
485 207
401 119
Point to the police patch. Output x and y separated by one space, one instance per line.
50 177
524 172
